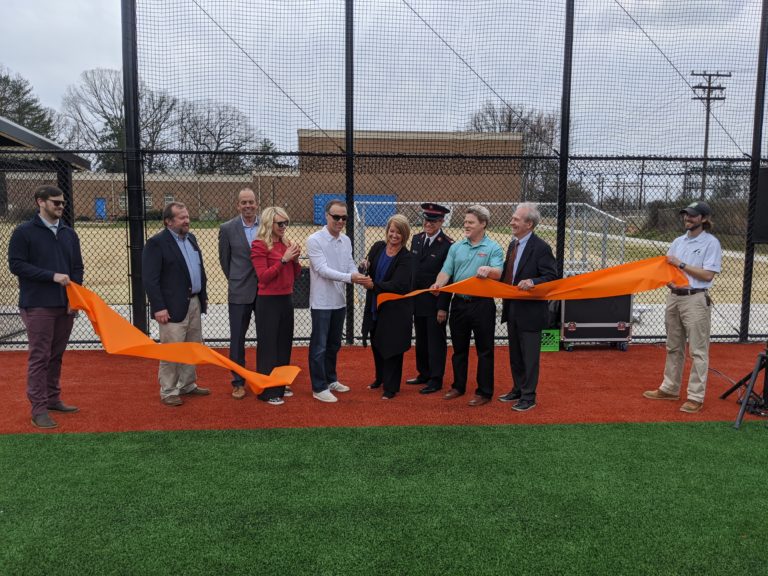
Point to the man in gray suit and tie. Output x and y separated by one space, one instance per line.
235 239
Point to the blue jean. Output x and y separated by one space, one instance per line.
324 345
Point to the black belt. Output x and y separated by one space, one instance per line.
466 298
687 291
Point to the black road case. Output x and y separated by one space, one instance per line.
597 320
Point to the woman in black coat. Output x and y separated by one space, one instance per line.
389 270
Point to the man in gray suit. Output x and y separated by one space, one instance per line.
235 239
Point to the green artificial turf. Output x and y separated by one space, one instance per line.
603 499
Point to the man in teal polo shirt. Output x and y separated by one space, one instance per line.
475 255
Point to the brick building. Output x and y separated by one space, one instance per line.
457 167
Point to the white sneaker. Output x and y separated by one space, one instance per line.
276 401
288 392
325 396
338 387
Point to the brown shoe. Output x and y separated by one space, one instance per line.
238 393
43 421
478 400
691 407
452 393
172 401
659 394
197 391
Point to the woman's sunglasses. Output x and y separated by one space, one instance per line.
282 224
338 217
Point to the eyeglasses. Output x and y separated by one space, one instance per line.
282 224
58 203
338 217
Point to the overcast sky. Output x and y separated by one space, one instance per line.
411 75
50 42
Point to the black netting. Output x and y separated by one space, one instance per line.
453 102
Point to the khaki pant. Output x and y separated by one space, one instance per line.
176 378
687 317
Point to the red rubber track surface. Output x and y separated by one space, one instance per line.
588 385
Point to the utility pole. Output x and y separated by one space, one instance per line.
710 93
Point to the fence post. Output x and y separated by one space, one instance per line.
565 128
350 152
64 182
133 163
754 172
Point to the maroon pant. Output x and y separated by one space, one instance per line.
48 331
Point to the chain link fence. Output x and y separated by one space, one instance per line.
456 103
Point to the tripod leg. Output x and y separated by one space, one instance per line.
759 365
735 387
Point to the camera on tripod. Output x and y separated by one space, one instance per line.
751 401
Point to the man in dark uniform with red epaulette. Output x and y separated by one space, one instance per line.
429 249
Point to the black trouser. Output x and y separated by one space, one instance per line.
274 321
239 320
431 349
473 316
389 371
524 355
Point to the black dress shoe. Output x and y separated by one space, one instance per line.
388 395
43 421
61 407
373 385
524 406
510 397
430 389
417 380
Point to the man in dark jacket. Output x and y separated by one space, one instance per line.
45 254
529 262
428 250
174 279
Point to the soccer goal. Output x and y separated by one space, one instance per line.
594 238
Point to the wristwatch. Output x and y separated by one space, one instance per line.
681 265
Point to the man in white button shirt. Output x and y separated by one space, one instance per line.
689 308
331 266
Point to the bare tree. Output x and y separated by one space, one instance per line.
95 117
216 132
540 132
94 108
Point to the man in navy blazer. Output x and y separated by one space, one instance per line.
45 255
529 262
174 279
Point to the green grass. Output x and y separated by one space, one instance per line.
606 499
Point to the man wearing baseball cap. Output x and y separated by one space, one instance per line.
429 249
689 308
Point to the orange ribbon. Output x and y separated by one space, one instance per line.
118 336
630 278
